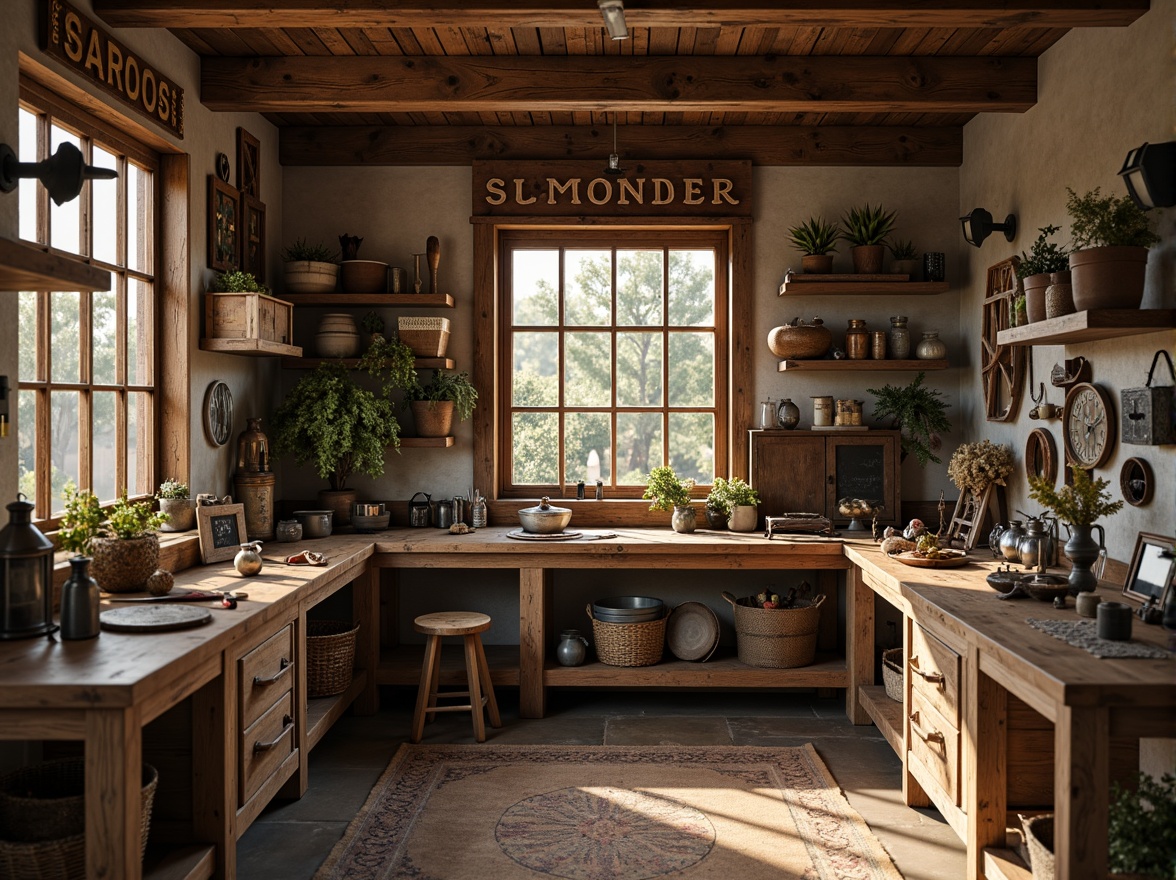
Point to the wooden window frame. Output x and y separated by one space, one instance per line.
488 355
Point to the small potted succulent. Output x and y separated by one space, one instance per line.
435 403
310 268
904 259
668 492
1037 268
125 549
1109 262
740 500
174 500
816 240
866 229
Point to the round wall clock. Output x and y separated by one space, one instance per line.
1089 426
218 413
1041 455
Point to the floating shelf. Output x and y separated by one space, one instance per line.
420 300
26 266
863 288
251 347
847 365
309 363
421 442
1088 326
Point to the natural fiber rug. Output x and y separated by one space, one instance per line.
487 812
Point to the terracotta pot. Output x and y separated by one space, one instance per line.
123 565
867 258
743 518
1059 296
816 264
310 276
1035 286
434 418
339 502
805 341
684 519
1108 277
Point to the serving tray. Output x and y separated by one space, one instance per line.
909 558
520 535
153 618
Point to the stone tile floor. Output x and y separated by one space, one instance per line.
292 838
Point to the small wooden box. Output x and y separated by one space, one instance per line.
248 316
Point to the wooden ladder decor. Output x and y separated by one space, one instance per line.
967 521
1003 366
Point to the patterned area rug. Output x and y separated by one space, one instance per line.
491 812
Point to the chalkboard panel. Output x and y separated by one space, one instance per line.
222 530
861 472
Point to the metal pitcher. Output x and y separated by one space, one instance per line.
1037 549
418 511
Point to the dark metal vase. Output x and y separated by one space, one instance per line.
1082 551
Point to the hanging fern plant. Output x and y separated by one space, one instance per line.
919 413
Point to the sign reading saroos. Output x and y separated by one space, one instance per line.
84 47
583 189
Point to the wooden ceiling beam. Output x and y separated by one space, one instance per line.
762 144
524 84
638 13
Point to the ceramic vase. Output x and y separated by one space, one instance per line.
743 518
788 414
1059 296
684 520
79 601
572 649
1082 551
181 514
930 347
899 338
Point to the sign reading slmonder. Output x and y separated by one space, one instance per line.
84 47
579 188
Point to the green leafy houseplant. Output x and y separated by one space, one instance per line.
126 521
1044 256
726 494
372 323
313 253
666 490
172 489
340 428
237 282
455 387
1141 831
815 237
867 225
392 362
903 250
919 413
81 522
1080 504
1112 221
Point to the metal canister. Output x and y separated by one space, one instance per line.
878 345
443 514
857 340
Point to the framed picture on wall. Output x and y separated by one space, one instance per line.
1152 571
221 529
248 164
253 236
223 226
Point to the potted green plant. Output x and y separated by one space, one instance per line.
1109 262
1141 831
236 282
310 268
740 500
1078 506
1035 269
816 240
435 403
866 228
373 325
669 492
904 259
339 428
174 500
717 510
125 548
920 413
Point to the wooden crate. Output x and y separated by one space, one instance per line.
248 316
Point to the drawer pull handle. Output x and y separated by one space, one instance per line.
933 677
925 735
265 747
258 681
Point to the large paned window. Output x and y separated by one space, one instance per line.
87 360
613 358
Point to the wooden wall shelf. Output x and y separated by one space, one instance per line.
26 266
309 363
424 442
417 300
1089 326
251 347
847 365
863 288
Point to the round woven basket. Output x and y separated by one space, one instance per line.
43 820
628 644
330 656
776 638
892 661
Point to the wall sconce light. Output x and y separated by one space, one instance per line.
614 18
63 173
614 159
1150 174
978 226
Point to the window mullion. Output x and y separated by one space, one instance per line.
43 139
665 355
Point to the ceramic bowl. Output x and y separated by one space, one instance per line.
315 523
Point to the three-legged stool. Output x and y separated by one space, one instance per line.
467 624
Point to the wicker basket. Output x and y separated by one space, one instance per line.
776 638
43 815
892 661
628 644
427 337
330 656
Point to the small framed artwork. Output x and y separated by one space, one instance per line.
223 226
253 236
248 164
221 529
1152 572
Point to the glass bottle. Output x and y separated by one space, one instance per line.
767 418
930 347
857 340
79 601
899 338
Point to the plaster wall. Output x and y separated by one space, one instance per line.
1101 93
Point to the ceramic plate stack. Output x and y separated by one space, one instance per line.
692 631
628 609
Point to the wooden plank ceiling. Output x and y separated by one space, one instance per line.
832 82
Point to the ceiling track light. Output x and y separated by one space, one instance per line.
614 159
614 18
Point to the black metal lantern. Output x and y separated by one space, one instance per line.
26 576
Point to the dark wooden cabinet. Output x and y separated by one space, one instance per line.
808 472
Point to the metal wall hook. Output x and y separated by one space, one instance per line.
63 173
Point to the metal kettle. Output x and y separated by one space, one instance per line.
418 511
1039 544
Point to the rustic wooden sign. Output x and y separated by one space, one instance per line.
84 47
693 188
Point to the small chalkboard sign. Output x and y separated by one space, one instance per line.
861 472
222 531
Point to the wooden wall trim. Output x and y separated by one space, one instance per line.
740 393
174 343
485 376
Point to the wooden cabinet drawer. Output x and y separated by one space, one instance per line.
935 673
265 745
935 744
265 674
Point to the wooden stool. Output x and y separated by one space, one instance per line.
467 624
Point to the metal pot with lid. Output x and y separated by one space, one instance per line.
545 519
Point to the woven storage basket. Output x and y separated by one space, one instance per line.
330 655
629 644
43 818
427 337
892 662
776 638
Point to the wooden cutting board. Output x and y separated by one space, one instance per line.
154 618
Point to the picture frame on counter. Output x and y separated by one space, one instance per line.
1151 574
221 531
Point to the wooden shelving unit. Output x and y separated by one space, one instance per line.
418 300
885 713
309 363
251 347
25 266
863 288
1004 864
847 365
1089 326
195 862
322 712
426 442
